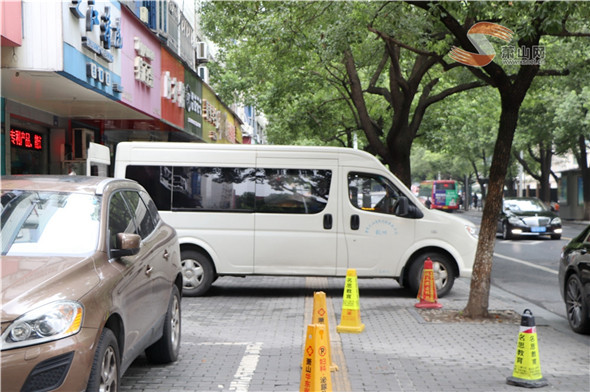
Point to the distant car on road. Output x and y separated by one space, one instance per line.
91 278
574 281
527 216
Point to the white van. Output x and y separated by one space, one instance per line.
291 210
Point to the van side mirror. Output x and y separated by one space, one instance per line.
406 209
402 207
127 245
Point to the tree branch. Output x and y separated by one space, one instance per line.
450 91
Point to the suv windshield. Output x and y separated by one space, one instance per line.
49 223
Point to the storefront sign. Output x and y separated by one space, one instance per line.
110 34
142 66
172 93
26 139
211 114
187 50
98 73
193 90
173 89
92 41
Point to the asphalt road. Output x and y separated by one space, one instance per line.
528 267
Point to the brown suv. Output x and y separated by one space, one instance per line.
91 278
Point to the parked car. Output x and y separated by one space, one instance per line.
527 216
91 278
574 281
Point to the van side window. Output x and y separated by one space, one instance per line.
292 191
213 189
157 181
370 192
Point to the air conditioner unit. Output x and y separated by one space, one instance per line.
202 52
203 73
82 139
144 15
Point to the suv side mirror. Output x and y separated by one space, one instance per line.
127 245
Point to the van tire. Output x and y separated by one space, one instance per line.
197 273
444 273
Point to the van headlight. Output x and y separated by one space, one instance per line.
472 230
53 321
556 221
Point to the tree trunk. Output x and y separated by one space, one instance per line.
399 158
477 305
545 154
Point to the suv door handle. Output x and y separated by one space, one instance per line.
148 270
355 222
328 221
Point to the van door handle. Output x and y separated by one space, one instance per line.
355 222
328 221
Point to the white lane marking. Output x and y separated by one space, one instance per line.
246 369
529 264
247 366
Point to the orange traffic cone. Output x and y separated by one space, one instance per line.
350 319
427 290
320 316
527 366
315 375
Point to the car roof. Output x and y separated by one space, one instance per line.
62 183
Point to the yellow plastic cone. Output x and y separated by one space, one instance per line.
315 374
527 365
350 319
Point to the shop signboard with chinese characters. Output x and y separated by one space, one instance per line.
172 90
211 115
186 49
140 66
219 123
193 101
92 44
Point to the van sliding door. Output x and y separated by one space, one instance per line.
296 216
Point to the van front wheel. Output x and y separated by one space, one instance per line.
197 273
444 275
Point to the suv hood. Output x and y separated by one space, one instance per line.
30 282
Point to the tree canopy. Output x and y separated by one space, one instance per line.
323 71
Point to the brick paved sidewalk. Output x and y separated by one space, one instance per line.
247 335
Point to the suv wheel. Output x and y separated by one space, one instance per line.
576 306
166 349
104 375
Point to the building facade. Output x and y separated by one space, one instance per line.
102 71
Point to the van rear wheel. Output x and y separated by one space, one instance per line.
444 275
197 273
